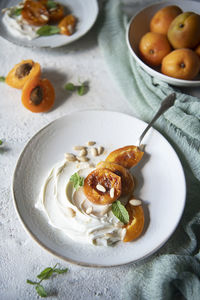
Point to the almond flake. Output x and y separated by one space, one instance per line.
91 143
112 192
71 213
135 202
100 188
94 151
89 210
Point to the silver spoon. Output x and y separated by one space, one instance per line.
166 103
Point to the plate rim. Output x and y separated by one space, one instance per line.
19 42
76 262
170 80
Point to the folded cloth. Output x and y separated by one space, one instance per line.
175 268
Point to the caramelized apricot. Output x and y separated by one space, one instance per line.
136 222
126 177
38 95
98 185
22 72
67 25
127 157
35 13
56 14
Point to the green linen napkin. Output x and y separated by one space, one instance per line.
175 269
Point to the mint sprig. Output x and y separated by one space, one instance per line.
81 89
77 180
120 211
44 275
2 79
17 11
51 4
47 30
1 142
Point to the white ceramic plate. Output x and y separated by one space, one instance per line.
139 25
85 11
160 184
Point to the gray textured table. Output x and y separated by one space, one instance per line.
20 256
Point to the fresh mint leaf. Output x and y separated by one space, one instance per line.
81 90
51 4
31 282
47 30
45 274
77 180
41 291
70 87
120 212
1 142
2 78
17 12
60 271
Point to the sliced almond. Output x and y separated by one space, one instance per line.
100 150
71 213
78 148
70 157
89 210
82 158
100 188
83 152
135 202
94 151
91 143
112 192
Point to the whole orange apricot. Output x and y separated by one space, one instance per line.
162 19
184 31
197 50
153 47
181 63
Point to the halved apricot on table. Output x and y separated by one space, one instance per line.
127 156
102 186
35 13
22 72
38 95
127 178
136 222
67 25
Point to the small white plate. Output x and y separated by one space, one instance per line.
139 25
159 176
85 11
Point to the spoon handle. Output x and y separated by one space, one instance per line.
166 103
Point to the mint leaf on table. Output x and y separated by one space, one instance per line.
44 275
70 87
60 271
81 89
77 180
41 291
47 30
120 212
2 78
1 142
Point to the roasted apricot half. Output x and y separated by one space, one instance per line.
136 222
127 157
67 25
102 186
127 178
35 13
38 95
22 72
56 13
